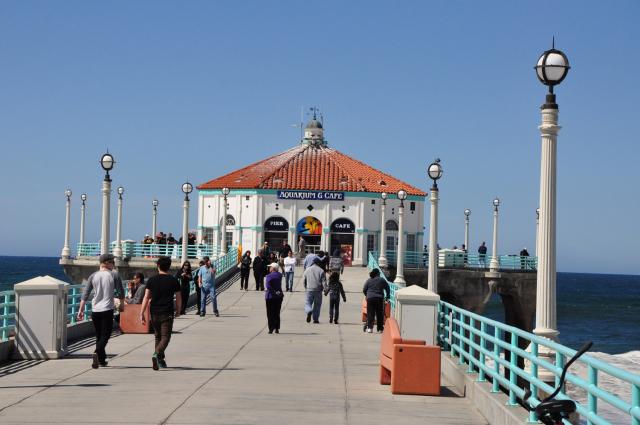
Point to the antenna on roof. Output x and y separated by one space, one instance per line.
301 124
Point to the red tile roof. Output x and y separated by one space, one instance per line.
311 167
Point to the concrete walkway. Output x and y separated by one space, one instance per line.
229 370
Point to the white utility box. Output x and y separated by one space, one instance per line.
417 314
41 318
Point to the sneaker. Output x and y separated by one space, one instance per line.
154 362
336 321
316 321
330 320
308 317
277 331
270 331
201 314
162 363
369 330
217 314
104 364
95 362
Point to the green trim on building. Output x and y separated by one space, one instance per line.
361 231
374 195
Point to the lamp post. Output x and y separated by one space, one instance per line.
107 163
154 219
225 192
83 197
467 213
66 252
552 68
382 259
494 265
187 188
117 250
402 195
434 171
537 228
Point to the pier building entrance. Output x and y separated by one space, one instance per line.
342 233
310 228
276 229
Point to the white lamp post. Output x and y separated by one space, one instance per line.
402 195
187 188
225 192
537 228
494 265
154 218
467 213
117 250
552 68
434 172
83 197
382 259
107 163
66 252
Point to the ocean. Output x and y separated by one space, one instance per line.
602 308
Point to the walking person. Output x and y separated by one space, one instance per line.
482 255
104 284
289 267
377 290
161 291
207 284
258 270
315 280
185 277
197 287
245 268
335 291
273 297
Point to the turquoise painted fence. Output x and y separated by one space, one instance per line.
497 352
7 314
457 259
140 250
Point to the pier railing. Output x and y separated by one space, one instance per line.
140 250
460 260
7 314
497 352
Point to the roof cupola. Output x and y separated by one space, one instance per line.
314 131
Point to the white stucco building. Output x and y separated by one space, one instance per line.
314 192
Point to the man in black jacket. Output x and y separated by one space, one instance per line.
259 265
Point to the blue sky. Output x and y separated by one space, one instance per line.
192 90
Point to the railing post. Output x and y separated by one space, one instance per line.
533 418
592 399
5 316
513 378
496 354
461 350
472 323
483 345
73 305
635 403
559 364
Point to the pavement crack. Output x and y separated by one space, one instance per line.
344 375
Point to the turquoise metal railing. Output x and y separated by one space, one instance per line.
7 314
478 342
454 259
73 304
372 263
150 250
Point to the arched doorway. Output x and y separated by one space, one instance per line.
276 229
231 223
391 227
342 232
310 228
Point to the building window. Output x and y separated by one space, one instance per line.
411 242
391 225
412 206
207 235
246 198
371 243
373 202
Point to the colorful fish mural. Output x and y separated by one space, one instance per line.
309 226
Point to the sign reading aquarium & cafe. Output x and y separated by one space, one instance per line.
307 195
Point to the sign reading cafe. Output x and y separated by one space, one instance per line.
307 195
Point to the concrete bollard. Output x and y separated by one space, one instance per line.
417 314
41 318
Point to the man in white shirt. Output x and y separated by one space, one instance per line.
104 283
289 266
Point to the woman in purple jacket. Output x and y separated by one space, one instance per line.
273 296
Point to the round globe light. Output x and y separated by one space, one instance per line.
120 190
155 203
187 188
225 191
467 212
107 162
552 67
384 195
68 193
402 194
435 170
83 197
496 202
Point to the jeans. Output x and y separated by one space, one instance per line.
334 308
259 281
312 304
162 327
244 279
482 260
273 313
198 298
211 292
288 276
186 287
375 308
103 324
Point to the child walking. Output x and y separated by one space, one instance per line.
335 290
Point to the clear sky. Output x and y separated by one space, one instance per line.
193 90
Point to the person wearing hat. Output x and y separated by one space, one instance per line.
273 297
104 284
315 281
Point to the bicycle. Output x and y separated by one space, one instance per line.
551 411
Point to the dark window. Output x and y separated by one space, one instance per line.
412 206
373 202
